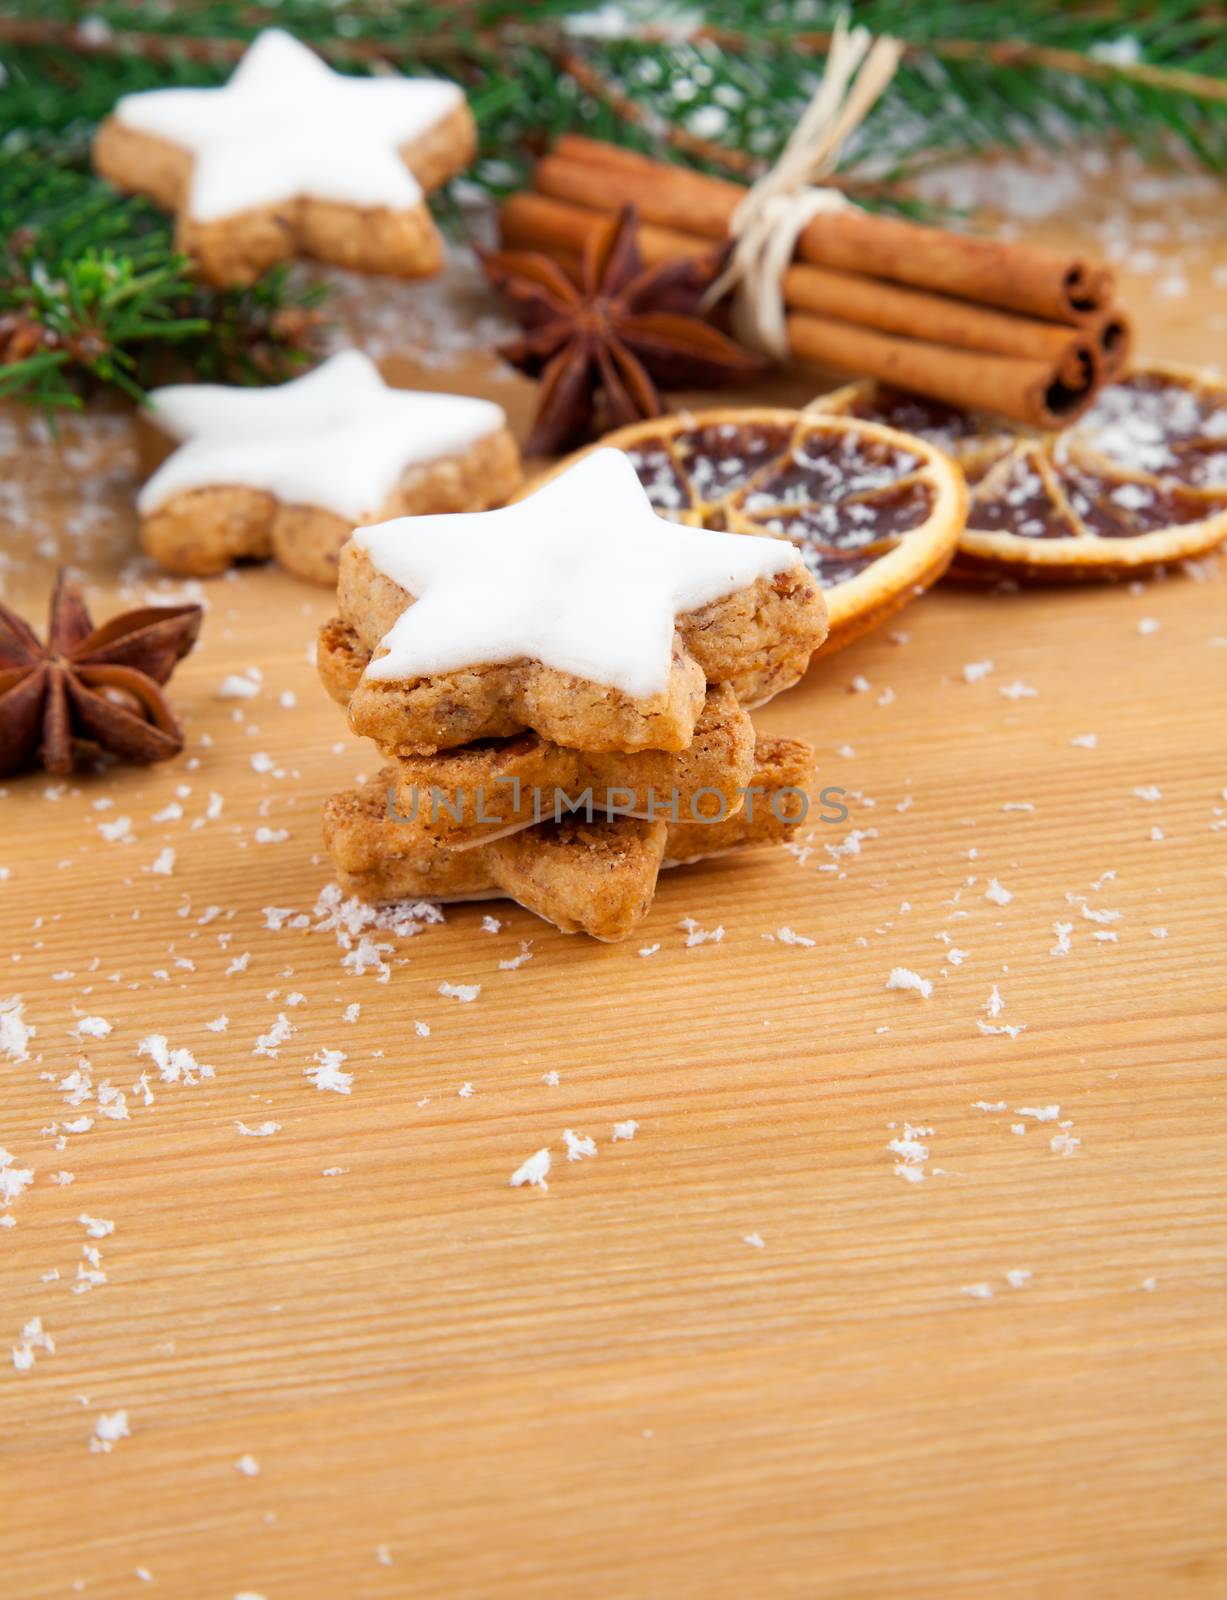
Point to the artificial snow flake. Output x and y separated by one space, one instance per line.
15 1031
12 1179
327 1073
174 1066
108 1430
905 978
269 1043
578 1145
92 1028
534 1171
464 992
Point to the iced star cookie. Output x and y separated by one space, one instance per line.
596 877
576 612
1137 482
288 472
291 158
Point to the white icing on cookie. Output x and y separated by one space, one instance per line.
582 576
287 125
339 438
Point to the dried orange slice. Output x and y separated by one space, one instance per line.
1139 481
875 513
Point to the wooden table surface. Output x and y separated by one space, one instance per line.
874 1304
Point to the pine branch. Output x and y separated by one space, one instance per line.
92 293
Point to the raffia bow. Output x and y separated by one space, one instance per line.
766 224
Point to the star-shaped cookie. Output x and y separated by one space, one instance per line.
578 612
293 158
595 875
289 471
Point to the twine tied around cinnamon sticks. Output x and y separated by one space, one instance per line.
768 222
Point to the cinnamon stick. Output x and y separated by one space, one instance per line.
1029 390
1022 278
1071 356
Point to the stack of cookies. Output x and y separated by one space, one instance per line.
558 691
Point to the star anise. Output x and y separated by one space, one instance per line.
90 689
601 347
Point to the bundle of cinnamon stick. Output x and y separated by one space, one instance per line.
1031 334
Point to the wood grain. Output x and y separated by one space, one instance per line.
455 1389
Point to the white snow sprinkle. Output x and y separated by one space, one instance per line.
534 1171
998 893
514 963
1148 791
92 1028
268 1044
96 1227
1017 691
1018 1277
248 1466
699 935
15 1031
578 1145
262 1130
754 1239
912 1151
787 936
905 978
236 686
327 1073
625 1130
978 1291
1085 741
109 1428
464 992
174 1066
974 671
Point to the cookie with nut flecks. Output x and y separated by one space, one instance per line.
292 159
288 472
593 874
576 612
